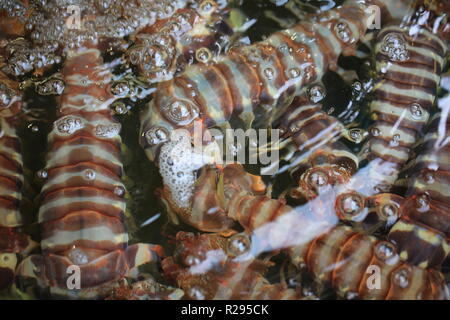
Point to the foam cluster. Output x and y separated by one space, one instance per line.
23 58
68 24
73 22
13 8
178 163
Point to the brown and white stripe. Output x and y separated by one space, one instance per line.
13 243
11 175
342 258
422 234
409 63
305 127
82 201
310 145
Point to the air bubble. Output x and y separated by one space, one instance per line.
401 277
51 87
395 141
119 108
375 131
206 6
154 58
69 124
318 179
33 127
316 93
5 99
238 245
429 177
173 28
119 191
385 250
35 35
203 55
343 31
89 174
78 256
394 46
107 130
120 89
6 96
356 135
156 135
134 55
294 73
389 210
169 9
181 113
269 73
42 174
103 4
284 47
357 86
423 202
351 204
416 111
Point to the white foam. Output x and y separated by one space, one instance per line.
177 165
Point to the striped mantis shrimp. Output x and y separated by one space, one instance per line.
82 207
346 260
422 231
13 243
404 97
